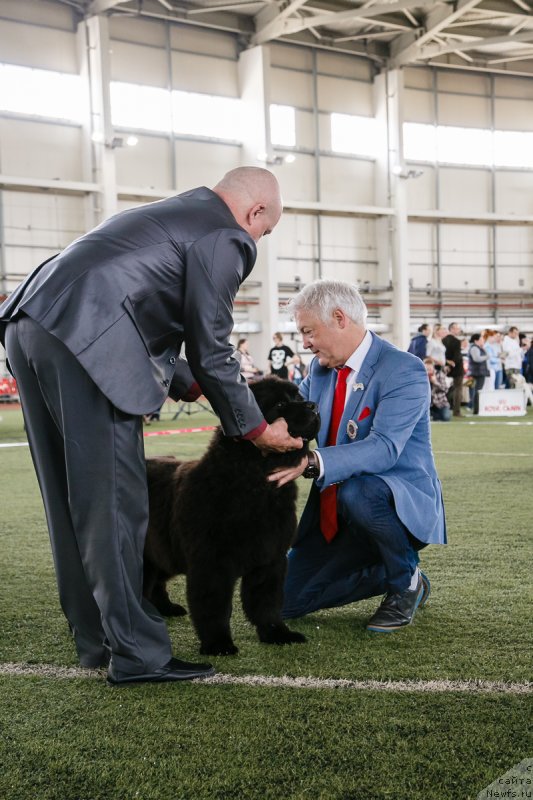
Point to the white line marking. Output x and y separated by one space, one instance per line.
14 444
285 681
472 453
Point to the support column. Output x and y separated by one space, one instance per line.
101 129
391 175
254 81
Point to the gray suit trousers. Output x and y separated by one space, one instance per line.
89 460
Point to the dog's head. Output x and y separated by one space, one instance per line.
280 398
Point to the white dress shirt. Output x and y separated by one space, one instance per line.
355 362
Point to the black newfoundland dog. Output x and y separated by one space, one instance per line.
219 519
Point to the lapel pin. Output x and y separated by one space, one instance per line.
357 386
351 429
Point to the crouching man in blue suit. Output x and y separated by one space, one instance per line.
376 499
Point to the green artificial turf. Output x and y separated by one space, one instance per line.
75 739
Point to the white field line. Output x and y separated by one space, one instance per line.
287 682
14 444
476 453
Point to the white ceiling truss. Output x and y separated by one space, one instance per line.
493 35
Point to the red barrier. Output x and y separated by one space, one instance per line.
8 390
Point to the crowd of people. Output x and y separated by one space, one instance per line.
460 367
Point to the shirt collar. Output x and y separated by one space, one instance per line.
355 362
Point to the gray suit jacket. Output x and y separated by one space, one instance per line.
125 297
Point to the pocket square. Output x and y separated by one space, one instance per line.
364 414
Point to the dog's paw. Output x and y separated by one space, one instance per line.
220 648
279 634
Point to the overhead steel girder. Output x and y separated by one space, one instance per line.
281 26
406 49
99 6
433 51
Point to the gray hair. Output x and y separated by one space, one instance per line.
323 297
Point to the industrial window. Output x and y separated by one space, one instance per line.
42 93
352 134
282 126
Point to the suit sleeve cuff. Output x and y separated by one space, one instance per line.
193 393
253 434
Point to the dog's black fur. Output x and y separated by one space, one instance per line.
219 519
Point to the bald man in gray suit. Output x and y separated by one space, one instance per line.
93 338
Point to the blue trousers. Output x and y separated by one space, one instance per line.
372 553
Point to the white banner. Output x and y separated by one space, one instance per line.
502 403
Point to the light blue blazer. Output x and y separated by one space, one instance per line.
392 441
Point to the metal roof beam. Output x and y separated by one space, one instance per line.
281 26
432 51
100 6
405 49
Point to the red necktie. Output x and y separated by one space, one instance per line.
328 497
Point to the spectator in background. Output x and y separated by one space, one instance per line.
526 349
435 347
512 356
528 363
278 357
454 358
478 366
248 368
297 370
419 343
493 348
439 410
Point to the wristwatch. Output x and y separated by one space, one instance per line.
312 469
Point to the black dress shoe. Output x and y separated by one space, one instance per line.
175 670
95 662
398 609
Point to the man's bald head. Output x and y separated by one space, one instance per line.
253 197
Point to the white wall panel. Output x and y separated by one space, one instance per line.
514 192
210 43
36 227
419 106
464 111
418 77
40 150
203 164
192 73
297 180
135 29
347 181
513 87
295 237
453 81
148 164
305 129
291 88
465 257
513 115
344 66
133 63
296 57
38 12
345 97
41 48
421 254
349 249
465 190
421 190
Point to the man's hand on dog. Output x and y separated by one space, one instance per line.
286 474
276 437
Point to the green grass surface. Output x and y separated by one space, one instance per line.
74 739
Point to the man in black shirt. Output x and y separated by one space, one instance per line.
452 343
278 357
